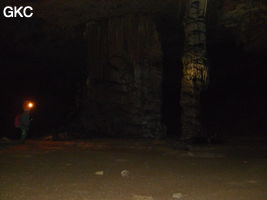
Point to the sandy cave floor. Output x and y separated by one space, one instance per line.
153 170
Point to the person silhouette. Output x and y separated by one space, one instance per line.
23 120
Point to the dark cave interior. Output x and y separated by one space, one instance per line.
51 69
117 101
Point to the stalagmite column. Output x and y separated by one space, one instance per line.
195 71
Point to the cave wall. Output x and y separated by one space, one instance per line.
242 22
122 95
236 37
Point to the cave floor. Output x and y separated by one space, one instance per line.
153 170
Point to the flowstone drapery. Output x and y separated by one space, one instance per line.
123 91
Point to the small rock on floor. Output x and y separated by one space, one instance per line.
99 173
177 195
125 173
141 197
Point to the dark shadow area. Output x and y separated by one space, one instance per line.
235 103
46 68
55 96
172 41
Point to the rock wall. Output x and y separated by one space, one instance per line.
122 96
246 19
242 22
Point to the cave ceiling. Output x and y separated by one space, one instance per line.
243 22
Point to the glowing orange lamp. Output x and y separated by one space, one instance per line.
29 105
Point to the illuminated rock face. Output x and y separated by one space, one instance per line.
123 89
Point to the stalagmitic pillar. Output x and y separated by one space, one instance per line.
195 70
